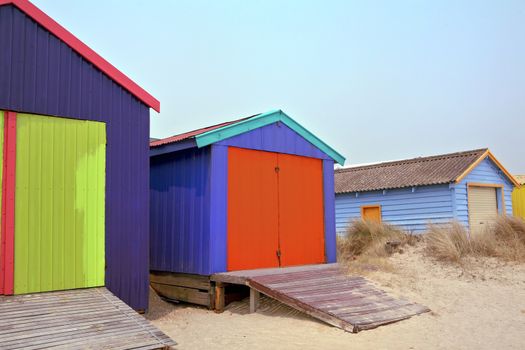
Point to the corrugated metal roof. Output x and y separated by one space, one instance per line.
433 170
191 134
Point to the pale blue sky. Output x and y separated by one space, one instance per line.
377 80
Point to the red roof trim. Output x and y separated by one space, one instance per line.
63 34
193 133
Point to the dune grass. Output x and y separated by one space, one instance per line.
367 244
503 239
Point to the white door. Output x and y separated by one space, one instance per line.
483 207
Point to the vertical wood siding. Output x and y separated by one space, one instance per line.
402 207
486 172
59 216
180 211
40 74
518 202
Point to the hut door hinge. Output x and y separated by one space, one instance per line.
278 252
277 169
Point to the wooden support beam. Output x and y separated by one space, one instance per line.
254 300
219 297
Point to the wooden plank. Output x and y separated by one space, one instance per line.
219 297
88 318
188 295
254 300
327 293
181 280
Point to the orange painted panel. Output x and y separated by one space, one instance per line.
371 213
301 212
252 209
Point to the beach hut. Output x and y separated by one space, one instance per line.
75 134
518 198
471 187
252 193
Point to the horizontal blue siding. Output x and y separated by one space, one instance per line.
276 137
488 173
410 210
180 212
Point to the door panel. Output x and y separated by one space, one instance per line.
301 212
252 209
371 213
60 204
483 207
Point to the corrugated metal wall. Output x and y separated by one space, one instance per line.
409 210
180 212
59 211
329 211
518 202
189 200
40 74
488 173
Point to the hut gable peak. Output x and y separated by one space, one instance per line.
83 50
216 133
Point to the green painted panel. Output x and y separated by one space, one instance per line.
59 204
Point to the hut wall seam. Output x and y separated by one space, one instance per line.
329 211
219 208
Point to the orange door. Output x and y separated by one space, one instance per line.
371 213
301 214
252 209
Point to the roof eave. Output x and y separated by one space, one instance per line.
482 157
172 147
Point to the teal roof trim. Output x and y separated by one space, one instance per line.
261 120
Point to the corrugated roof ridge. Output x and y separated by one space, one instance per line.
165 140
413 160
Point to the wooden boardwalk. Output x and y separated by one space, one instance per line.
327 293
77 319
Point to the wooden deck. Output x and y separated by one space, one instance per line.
327 293
77 319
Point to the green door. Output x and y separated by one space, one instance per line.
60 204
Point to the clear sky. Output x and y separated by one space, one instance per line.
377 80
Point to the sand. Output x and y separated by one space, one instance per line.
478 306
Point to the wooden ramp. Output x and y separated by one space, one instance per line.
77 319
327 293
